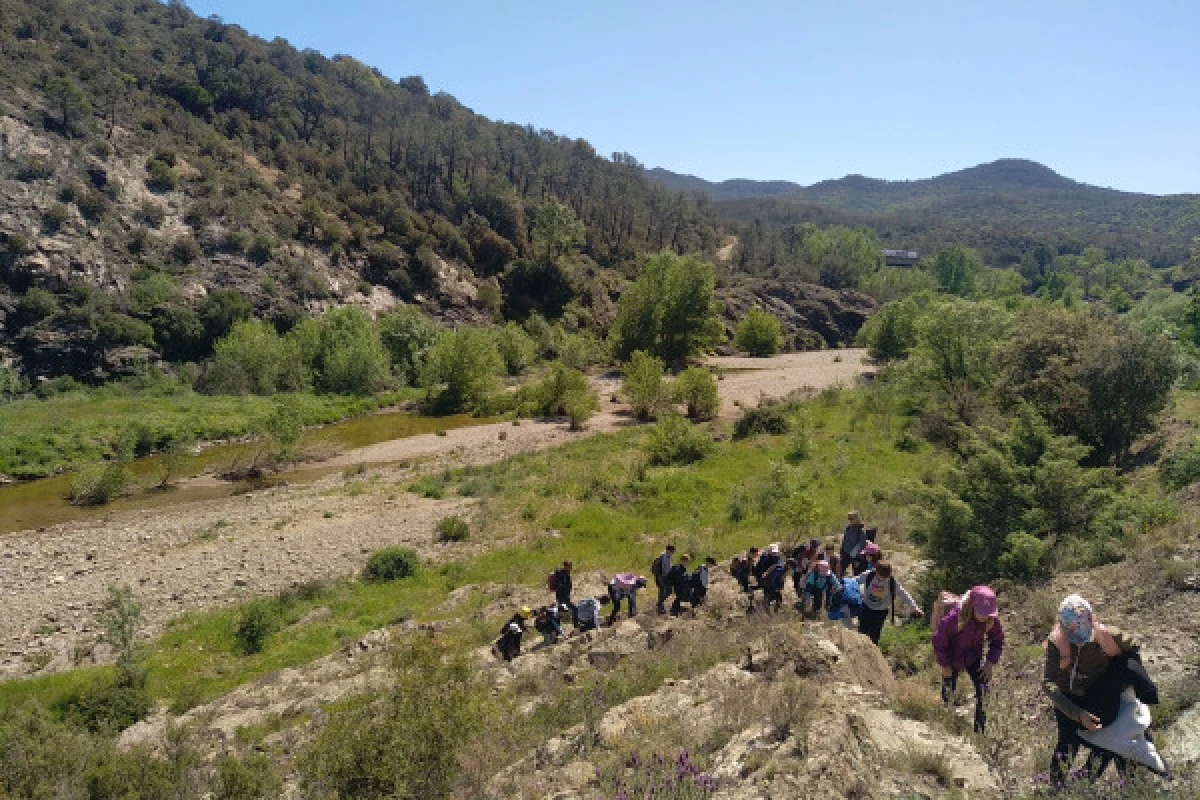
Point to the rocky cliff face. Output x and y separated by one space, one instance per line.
813 316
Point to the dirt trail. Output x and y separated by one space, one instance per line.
204 554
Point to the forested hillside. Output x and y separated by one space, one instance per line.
162 175
1008 209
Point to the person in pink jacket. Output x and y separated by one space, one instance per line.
958 643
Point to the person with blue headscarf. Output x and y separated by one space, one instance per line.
1085 663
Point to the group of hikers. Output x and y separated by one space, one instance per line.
1093 674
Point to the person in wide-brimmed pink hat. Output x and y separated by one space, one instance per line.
958 644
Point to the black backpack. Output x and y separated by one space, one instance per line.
656 567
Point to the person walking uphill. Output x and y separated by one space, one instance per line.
1080 653
854 541
680 583
624 586
958 642
660 568
563 585
509 643
879 591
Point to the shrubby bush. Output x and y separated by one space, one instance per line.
249 777
675 441
257 621
562 391
465 365
1181 467
644 385
453 529
408 333
406 742
769 419
760 333
99 485
696 390
391 564
515 346
351 358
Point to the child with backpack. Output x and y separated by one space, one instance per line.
559 581
548 623
587 613
845 601
879 589
741 570
958 644
817 587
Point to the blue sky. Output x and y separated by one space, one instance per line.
1104 92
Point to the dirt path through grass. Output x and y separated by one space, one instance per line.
204 554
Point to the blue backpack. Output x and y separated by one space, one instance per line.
846 602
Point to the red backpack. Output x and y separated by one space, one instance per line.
552 581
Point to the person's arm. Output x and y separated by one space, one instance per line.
995 642
941 641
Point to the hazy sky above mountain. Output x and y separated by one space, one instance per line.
1103 92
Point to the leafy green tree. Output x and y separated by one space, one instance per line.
843 256
408 333
957 270
670 311
248 360
557 231
352 358
953 364
895 283
760 333
466 366
71 102
644 386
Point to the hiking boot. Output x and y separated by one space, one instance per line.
980 719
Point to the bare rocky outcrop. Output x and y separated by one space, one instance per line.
813 316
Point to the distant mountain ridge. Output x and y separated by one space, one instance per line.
1003 207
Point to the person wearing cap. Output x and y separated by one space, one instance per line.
854 539
509 644
1079 652
958 645
773 556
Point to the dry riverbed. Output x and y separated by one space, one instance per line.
199 555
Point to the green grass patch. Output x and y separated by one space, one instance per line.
81 427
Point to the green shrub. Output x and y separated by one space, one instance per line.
185 249
675 441
515 347
405 743
392 564
671 310
696 389
581 350
161 176
351 358
1181 468
257 621
579 405
108 708
453 529
466 364
769 419
245 778
551 395
99 485
644 386
760 333
408 333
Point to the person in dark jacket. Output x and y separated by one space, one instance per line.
660 569
678 581
854 540
563 586
1079 651
958 642
509 643
770 558
698 582
742 570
